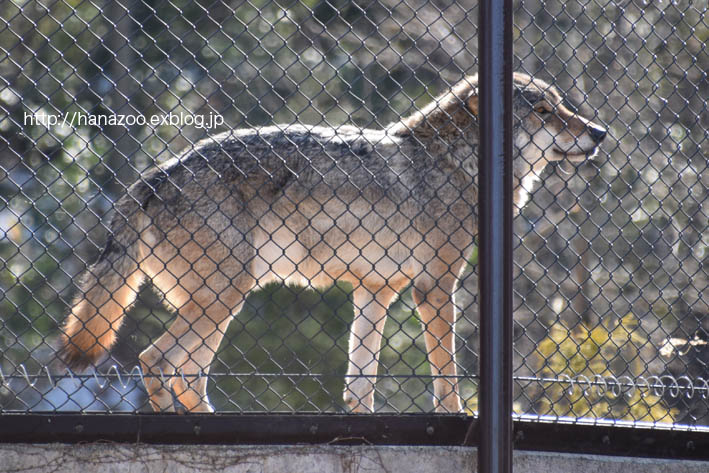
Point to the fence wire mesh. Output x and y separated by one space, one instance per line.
345 208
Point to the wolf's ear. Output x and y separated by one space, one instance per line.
472 102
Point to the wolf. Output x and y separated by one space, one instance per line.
381 209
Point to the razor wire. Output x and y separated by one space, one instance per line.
122 380
610 258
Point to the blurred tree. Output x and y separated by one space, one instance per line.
599 364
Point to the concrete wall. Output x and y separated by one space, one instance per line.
123 458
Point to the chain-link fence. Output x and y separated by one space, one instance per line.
345 182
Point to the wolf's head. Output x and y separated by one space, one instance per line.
545 130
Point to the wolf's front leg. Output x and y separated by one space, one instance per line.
434 301
370 307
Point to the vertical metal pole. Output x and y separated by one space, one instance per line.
495 235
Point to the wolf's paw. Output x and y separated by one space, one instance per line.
449 405
357 404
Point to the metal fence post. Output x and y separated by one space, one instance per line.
495 237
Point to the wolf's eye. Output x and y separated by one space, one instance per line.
540 109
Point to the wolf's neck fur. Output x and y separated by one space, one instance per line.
443 123
446 130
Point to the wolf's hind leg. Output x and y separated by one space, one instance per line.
190 385
434 302
160 359
204 276
187 348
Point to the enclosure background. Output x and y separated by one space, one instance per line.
610 255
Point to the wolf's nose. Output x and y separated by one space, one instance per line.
597 133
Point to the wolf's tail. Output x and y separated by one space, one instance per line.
107 288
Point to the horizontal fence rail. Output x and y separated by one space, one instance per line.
268 208
562 435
